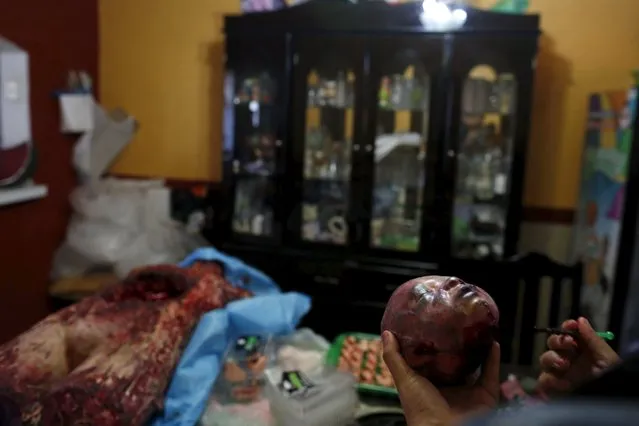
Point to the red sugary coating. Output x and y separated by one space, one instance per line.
107 360
444 326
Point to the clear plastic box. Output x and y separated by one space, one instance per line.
302 350
304 338
257 413
242 377
329 398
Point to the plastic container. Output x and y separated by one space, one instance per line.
303 350
242 376
297 400
360 355
257 413
305 338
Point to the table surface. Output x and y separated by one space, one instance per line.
372 404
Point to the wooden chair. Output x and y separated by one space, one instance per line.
532 268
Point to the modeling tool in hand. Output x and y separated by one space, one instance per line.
606 335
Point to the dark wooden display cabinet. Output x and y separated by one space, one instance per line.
363 147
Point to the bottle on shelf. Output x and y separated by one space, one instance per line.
330 92
332 167
313 95
494 98
256 91
311 98
267 88
500 175
408 88
484 180
384 93
396 92
340 90
350 90
506 92
257 224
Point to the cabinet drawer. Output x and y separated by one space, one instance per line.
318 277
331 318
374 284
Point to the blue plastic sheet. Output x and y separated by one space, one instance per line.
269 312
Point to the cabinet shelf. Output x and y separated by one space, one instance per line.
331 107
245 104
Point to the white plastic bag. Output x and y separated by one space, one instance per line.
68 263
121 202
141 253
121 209
123 224
161 243
100 241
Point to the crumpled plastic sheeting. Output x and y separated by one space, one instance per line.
269 312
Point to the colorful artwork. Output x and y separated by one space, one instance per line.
511 6
600 209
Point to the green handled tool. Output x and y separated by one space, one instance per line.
606 335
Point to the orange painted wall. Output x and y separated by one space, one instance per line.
588 46
162 60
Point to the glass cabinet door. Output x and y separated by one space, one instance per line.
252 132
327 74
490 77
405 70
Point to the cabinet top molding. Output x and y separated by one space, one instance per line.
371 17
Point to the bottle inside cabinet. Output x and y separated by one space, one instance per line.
483 164
255 116
400 152
327 155
251 114
253 209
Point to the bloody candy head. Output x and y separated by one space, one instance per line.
445 327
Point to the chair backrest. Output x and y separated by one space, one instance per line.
532 268
497 278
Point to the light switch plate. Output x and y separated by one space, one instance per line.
11 91
15 110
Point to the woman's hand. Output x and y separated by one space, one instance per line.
570 361
425 405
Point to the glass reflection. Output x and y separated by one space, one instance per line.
400 151
483 164
253 209
229 116
327 156
255 119
254 152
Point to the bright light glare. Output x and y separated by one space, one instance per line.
426 4
437 16
459 16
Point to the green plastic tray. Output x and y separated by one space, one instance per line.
333 355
